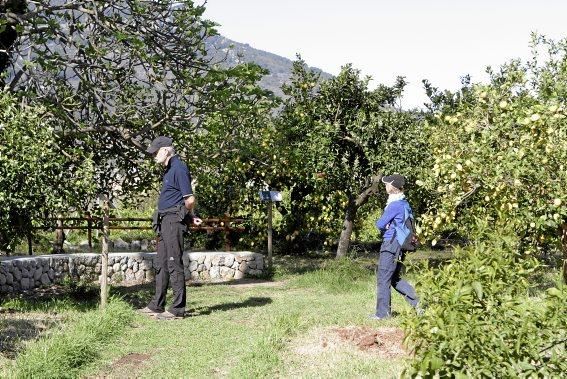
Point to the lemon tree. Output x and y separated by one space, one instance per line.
500 151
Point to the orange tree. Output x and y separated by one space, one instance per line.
338 137
501 150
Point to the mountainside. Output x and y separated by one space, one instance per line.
279 67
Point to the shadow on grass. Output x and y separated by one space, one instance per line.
17 328
250 302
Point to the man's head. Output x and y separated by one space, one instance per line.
162 149
394 183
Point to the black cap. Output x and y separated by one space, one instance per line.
158 143
395 180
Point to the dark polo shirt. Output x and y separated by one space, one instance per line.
176 184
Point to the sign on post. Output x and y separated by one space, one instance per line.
270 197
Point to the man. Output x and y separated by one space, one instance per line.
391 254
175 205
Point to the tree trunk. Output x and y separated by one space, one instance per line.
348 224
564 246
350 216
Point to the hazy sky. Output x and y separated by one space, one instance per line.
439 40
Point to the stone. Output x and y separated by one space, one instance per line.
144 245
226 272
116 267
51 274
139 276
135 267
207 262
130 263
45 279
193 265
25 283
136 245
3 270
201 267
204 275
214 272
235 265
252 264
17 274
238 275
129 275
98 268
9 279
123 267
35 273
146 264
229 260
81 269
243 267
260 263
2 279
25 273
194 275
201 259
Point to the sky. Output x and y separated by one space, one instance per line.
437 40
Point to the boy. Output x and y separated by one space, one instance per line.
391 254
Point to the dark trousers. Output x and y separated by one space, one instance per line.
169 266
390 265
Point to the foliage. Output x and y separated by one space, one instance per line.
479 321
64 353
119 73
36 179
338 135
500 151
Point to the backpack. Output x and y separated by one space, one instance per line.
405 233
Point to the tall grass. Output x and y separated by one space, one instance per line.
337 276
63 353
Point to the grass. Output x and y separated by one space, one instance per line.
235 331
274 328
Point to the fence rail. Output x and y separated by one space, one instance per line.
224 224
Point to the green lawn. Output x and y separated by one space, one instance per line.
287 327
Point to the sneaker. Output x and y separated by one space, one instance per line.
167 316
148 311
374 317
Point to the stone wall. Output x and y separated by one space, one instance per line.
24 273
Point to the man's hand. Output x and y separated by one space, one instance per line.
197 221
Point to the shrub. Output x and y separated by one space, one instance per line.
480 321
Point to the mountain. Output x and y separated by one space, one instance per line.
233 53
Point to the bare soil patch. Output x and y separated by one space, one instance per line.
128 366
385 342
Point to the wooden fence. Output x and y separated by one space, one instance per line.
89 223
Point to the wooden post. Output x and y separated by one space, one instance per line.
104 253
226 222
270 206
30 248
90 231
59 235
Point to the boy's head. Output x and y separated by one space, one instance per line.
394 183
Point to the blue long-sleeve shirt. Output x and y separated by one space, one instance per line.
393 212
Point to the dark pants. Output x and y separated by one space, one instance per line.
169 266
388 275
